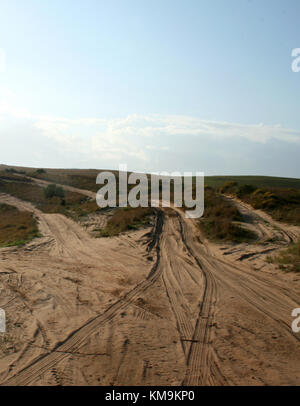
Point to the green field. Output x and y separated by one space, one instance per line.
258 181
86 178
71 204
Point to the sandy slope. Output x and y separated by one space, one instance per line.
154 307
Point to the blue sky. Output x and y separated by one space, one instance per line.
159 85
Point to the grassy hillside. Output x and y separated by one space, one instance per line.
71 204
125 219
282 204
86 178
16 227
280 197
222 221
258 181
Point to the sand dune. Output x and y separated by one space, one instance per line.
160 306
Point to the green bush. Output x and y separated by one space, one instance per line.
229 187
281 203
218 221
53 190
245 190
258 192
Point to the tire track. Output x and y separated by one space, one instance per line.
198 354
77 338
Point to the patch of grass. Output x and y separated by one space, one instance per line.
16 227
54 190
13 170
125 219
77 211
35 194
282 204
81 179
219 220
86 178
288 259
257 181
12 177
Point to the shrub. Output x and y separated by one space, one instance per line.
59 192
288 259
282 204
229 187
218 221
258 192
53 190
126 219
245 190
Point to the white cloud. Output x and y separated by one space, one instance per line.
118 131
136 139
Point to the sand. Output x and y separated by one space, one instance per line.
158 306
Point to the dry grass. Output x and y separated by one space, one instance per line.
219 220
81 179
73 204
288 259
281 203
16 227
125 219
83 209
12 177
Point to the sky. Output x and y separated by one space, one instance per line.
160 85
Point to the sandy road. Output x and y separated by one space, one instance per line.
164 307
250 313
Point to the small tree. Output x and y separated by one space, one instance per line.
60 192
229 187
50 191
53 190
245 190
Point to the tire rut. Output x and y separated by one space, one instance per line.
77 338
